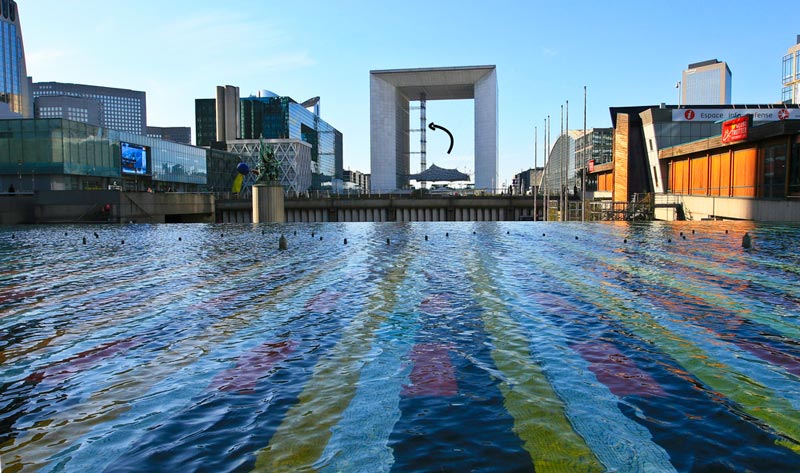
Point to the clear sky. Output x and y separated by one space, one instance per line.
624 52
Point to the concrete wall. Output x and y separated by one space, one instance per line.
16 209
486 133
700 207
390 210
384 130
139 207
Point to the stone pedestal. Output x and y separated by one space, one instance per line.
268 203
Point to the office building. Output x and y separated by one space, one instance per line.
271 117
283 118
390 94
228 113
15 96
176 134
77 109
526 181
692 153
707 83
205 122
791 75
593 149
356 180
122 109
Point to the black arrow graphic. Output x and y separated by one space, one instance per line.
434 126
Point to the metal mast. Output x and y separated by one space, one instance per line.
535 164
561 168
423 165
584 164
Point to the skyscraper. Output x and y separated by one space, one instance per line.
791 74
707 83
15 95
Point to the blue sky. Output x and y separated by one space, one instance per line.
625 52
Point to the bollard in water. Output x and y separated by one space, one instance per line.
747 242
282 244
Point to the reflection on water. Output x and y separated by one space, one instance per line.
483 347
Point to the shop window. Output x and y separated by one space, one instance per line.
794 169
773 174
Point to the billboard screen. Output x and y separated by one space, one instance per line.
134 159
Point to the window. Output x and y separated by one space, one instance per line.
788 68
797 65
774 170
786 96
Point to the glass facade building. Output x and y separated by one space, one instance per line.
57 154
14 84
283 118
559 171
595 145
791 75
205 126
707 83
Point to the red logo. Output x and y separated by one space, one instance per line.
689 114
783 114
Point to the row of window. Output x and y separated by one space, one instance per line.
48 89
9 60
791 67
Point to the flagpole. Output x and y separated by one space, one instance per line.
583 159
535 164
547 168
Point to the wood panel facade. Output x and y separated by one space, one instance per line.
620 153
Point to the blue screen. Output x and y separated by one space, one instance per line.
134 159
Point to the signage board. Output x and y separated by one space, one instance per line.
722 114
736 129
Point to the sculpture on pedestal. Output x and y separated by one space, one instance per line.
268 168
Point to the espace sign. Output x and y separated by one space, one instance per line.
724 114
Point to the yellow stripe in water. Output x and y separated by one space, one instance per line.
306 429
540 418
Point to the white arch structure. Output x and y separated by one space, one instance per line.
390 94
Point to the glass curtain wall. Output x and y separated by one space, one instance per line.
283 118
560 167
41 155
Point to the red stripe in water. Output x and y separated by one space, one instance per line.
433 373
253 366
772 355
618 372
83 360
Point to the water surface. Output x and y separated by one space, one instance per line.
482 346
